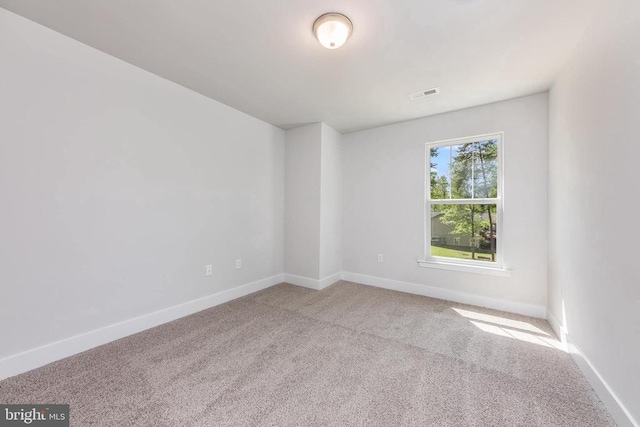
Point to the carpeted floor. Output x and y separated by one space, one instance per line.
347 355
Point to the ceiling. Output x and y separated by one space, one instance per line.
261 57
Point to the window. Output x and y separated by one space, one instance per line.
464 202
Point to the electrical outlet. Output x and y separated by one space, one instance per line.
208 271
380 258
238 264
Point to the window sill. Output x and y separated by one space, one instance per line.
476 269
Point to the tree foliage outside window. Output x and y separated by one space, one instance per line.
464 199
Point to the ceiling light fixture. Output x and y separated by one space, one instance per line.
332 30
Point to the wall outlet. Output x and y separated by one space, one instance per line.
208 270
380 258
238 264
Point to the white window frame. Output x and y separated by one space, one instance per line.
472 266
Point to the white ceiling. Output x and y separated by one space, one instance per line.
260 57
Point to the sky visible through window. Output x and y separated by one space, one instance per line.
442 161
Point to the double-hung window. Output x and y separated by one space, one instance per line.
463 221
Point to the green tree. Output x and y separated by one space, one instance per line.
439 185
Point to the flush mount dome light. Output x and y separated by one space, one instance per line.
332 30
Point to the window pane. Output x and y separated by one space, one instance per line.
461 171
466 231
465 171
440 158
485 169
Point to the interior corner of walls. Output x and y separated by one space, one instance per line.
557 327
326 127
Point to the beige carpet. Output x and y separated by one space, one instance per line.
347 355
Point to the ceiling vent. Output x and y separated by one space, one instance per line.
423 93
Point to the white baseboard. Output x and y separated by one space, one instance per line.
330 280
40 356
305 282
616 408
449 295
558 328
314 284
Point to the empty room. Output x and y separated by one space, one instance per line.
303 213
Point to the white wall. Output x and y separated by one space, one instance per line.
594 283
313 206
331 203
117 187
302 202
383 197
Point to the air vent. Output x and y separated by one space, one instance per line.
423 93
